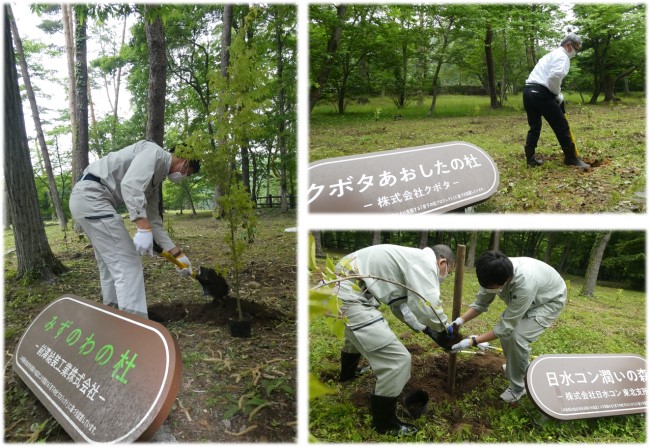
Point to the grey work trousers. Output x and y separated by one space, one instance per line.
368 333
120 266
516 348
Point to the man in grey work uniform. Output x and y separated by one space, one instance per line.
367 333
543 98
534 294
131 176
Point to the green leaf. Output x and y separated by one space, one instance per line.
312 253
317 388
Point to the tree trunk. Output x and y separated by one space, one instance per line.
471 253
81 83
157 82
549 247
562 266
118 81
420 65
496 236
157 77
608 87
489 62
318 244
424 239
226 39
595 259
33 253
282 139
332 45
68 31
51 182
504 72
440 61
376 238
596 70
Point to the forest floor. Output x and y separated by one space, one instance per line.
232 389
608 322
612 138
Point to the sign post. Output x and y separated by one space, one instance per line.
105 375
436 178
578 386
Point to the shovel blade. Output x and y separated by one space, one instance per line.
213 284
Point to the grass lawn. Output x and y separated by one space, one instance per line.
612 137
613 321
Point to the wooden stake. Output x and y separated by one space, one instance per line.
455 313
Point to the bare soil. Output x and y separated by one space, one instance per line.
430 371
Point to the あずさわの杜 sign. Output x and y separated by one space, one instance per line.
436 178
578 386
105 375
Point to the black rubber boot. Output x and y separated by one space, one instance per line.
349 363
571 158
384 419
531 161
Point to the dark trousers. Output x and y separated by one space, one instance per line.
540 102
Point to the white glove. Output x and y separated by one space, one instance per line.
186 271
143 241
484 346
458 322
559 99
461 345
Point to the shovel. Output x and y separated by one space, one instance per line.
213 284
573 140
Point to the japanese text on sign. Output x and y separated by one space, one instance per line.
387 179
102 357
57 394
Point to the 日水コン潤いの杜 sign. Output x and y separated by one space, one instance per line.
578 386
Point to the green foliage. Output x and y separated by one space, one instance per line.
239 213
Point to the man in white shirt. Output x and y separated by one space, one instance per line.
131 176
391 275
535 295
543 98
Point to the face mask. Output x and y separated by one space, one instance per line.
572 53
176 177
494 290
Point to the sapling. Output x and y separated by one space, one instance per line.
239 213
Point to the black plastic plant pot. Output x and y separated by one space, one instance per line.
416 403
240 328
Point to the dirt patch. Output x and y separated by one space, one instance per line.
431 376
212 312
470 374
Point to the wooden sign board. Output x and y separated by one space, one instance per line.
104 374
436 178
578 386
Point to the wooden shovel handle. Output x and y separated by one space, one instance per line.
170 257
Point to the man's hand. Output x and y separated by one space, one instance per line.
455 325
559 99
186 271
462 345
442 339
143 241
